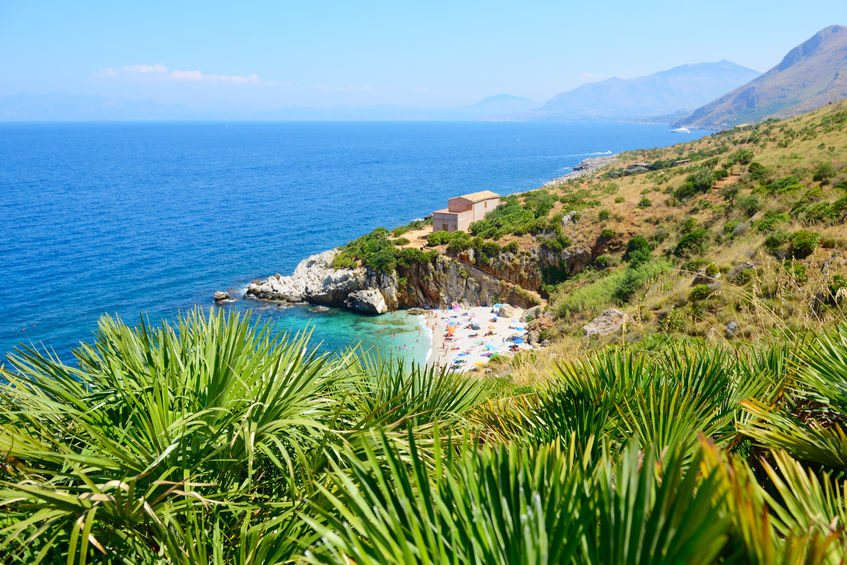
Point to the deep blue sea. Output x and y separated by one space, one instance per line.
152 218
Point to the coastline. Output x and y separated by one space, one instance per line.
464 338
439 354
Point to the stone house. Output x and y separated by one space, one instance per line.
463 210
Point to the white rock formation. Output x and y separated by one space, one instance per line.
314 280
368 301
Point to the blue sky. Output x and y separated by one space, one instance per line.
229 55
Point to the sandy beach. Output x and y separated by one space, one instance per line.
466 338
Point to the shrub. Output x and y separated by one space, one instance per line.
824 173
758 172
636 277
603 215
637 251
835 284
401 241
511 247
803 243
692 242
740 157
619 199
644 203
729 227
776 241
607 234
602 262
712 270
699 292
699 181
672 322
748 204
770 221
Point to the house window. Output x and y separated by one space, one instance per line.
444 227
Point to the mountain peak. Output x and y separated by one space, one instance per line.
810 75
666 92
828 37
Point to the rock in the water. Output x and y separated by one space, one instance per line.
221 296
319 309
314 280
368 301
610 321
507 311
416 311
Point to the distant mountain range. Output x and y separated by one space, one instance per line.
810 76
62 107
661 94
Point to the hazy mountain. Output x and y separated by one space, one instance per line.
661 94
73 107
810 76
78 107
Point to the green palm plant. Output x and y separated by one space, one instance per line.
757 534
648 511
152 425
393 393
509 504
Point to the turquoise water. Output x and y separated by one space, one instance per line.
152 218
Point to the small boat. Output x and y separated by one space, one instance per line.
680 130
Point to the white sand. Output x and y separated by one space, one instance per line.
468 348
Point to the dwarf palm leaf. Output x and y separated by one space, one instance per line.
515 504
546 416
754 537
776 428
808 505
390 392
154 423
825 370
651 512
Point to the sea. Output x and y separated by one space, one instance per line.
150 219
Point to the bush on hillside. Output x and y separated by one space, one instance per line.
776 242
637 251
803 243
691 243
824 173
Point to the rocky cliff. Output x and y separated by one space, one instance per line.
463 278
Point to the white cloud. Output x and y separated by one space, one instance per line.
146 69
163 72
199 76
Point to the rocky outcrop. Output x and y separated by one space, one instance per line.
584 167
221 297
608 322
314 280
432 284
368 301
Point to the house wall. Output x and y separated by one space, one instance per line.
451 221
480 209
459 204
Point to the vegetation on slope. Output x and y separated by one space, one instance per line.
214 442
